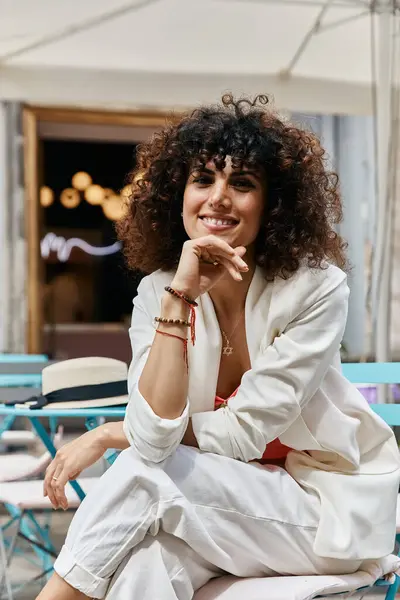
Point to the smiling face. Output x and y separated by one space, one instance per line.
228 203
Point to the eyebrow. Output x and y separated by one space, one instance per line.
255 174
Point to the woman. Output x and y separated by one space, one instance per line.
234 217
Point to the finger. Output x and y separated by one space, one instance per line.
235 260
241 251
48 475
241 264
58 486
213 243
215 254
232 269
50 487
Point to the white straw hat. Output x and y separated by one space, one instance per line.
88 382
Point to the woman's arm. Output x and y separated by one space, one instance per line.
83 452
164 379
111 435
157 415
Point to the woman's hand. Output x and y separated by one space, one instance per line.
69 462
204 261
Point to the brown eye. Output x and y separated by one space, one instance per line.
243 183
202 180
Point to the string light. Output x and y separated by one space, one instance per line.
46 196
81 181
94 194
70 198
108 193
115 208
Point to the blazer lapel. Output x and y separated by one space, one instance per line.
257 310
205 356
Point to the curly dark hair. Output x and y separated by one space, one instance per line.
302 205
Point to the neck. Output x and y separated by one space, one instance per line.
229 296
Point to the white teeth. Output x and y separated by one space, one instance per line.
218 221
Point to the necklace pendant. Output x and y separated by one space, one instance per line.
227 350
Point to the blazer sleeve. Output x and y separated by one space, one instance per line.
284 376
153 437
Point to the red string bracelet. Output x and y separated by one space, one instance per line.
191 304
177 337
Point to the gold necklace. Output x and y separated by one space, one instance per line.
227 348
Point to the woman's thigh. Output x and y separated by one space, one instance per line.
258 515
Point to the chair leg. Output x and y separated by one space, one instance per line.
392 590
4 579
43 534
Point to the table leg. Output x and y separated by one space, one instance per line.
6 424
46 439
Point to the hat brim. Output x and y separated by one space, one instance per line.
100 403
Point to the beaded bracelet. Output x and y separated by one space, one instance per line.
191 304
177 294
165 321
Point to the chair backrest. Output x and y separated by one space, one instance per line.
377 373
390 413
373 373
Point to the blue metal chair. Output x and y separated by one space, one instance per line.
379 373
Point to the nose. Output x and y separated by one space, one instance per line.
219 195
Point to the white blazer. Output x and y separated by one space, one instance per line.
342 451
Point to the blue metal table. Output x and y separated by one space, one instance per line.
91 416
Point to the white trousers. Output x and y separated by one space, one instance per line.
160 532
